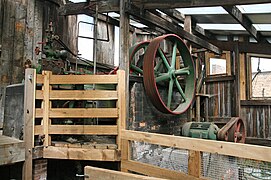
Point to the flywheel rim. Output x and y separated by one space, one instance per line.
150 76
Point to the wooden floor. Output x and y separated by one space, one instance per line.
11 150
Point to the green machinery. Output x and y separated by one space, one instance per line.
233 131
168 72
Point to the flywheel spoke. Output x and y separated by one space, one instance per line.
183 71
165 61
137 69
180 90
170 90
173 59
158 65
163 77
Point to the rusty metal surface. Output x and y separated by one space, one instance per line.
233 131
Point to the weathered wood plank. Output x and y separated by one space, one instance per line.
11 150
46 105
155 171
38 113
194 163
106 174
83 79
149 18
83 95
38 130
81 154
29 119
225 148
40 79
83 129
83 113
121 104
153 4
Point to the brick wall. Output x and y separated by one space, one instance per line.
40 169
145 117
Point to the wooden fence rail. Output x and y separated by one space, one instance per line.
194 145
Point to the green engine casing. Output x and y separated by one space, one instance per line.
203 130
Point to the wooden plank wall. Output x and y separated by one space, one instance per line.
258 120
23 24
221 101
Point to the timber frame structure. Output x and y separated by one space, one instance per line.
124 138
160 17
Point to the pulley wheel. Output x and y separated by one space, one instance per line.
136 54
169 77
237 133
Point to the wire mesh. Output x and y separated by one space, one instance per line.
215 166
164 157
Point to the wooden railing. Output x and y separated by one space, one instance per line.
193 145
49 119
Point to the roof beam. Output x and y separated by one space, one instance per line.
82 7
178 16
169 4
244 47
149 18
244 21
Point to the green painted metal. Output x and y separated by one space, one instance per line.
203 130
161 71
136 53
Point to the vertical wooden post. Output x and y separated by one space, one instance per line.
121 106
46 106
242 77
124 65
29 119
124 48
188 28
237 80
194 163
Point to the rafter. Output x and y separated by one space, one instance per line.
149 18
244 21
244 47
82 7
169 4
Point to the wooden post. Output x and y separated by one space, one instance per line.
242 77
194 163
29 119
121 106
237 80
124 48
124 65
46 106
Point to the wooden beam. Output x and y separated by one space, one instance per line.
169 4
82 79
244 21
149 18
81 153
46 105
244 47
83 113
11 150
224 148
121 104
155 171
83 95
106 174
83 129
194 163
29 119
89 8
